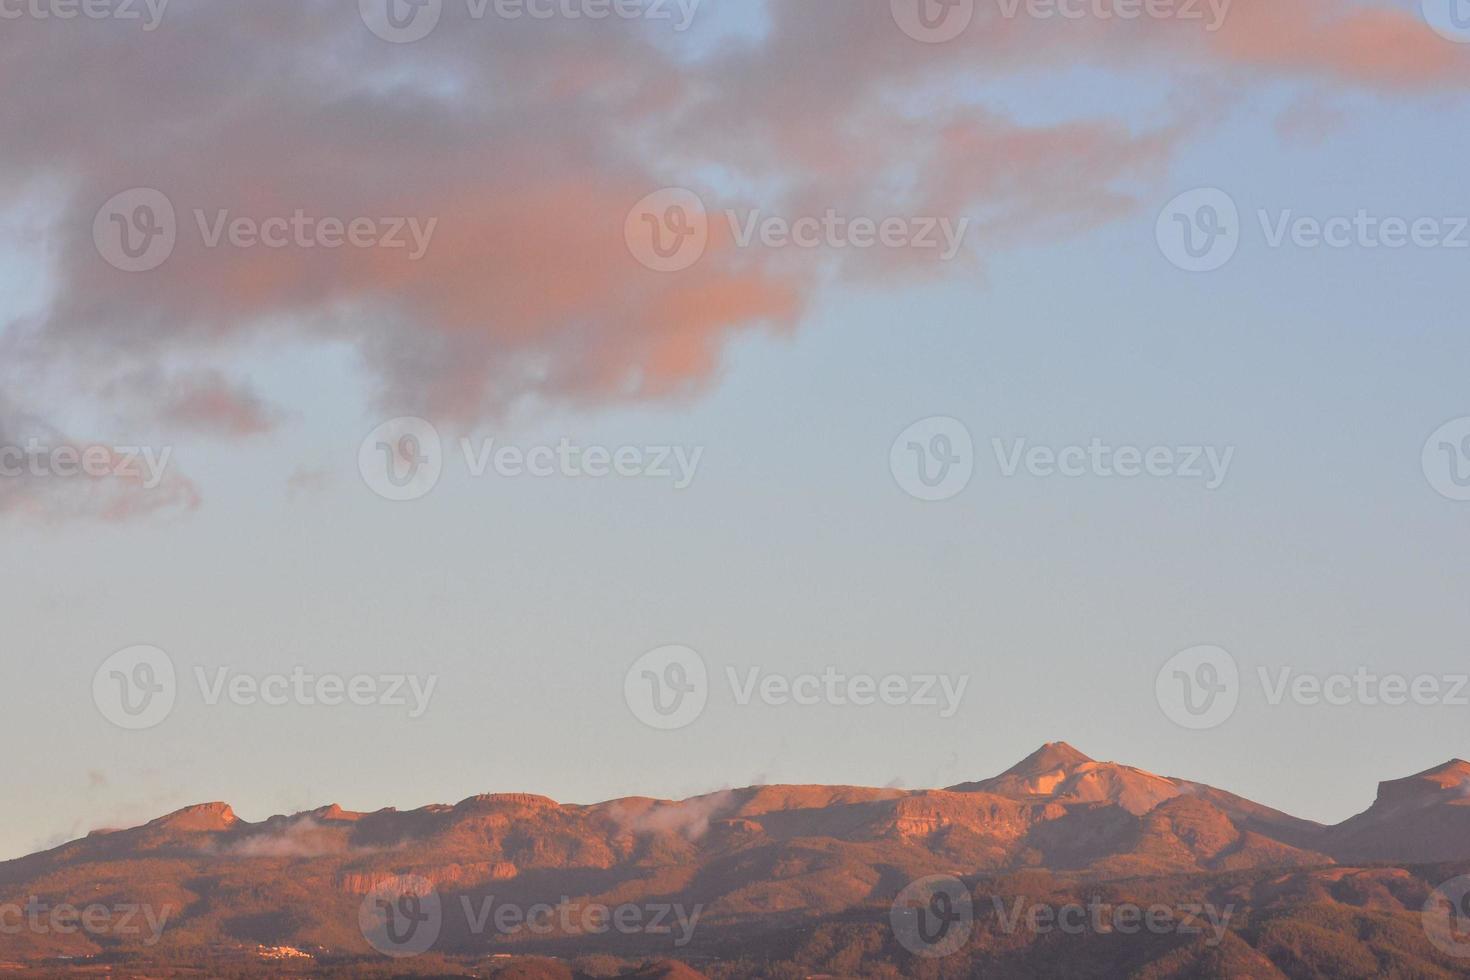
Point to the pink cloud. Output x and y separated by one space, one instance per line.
48 478
1359 43
203 400
525 143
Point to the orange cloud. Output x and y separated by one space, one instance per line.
519 147
1367 45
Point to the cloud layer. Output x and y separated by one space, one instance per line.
521 145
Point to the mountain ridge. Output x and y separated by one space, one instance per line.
1056 771
750 858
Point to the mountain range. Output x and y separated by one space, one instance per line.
750 876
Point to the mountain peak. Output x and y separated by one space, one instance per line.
1452 775
204 817
334 812
1420 818
1049 758
1059 773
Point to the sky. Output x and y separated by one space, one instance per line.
880 461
